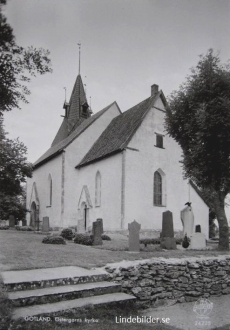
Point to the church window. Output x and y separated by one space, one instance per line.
157 189
159 141
49 191
98 189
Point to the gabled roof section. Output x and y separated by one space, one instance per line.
119 132
62 132
60 146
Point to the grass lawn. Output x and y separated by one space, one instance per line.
25 250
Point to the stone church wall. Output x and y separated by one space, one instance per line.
181 280
141 164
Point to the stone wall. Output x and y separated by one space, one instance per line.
154 281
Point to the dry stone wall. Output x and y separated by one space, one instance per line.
154 281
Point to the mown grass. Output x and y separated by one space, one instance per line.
25 250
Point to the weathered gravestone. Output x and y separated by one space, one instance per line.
100 221
81 226
11 221
134 236
198 229
45 224
198 241
97 231
20 223
187 219
167 235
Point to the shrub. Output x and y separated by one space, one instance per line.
4 227
84 239
24 228
147 241
53 240
105 237
67 233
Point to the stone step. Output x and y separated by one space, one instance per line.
50 277
56 308
61 293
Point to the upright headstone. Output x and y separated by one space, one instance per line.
11 221
97 240
7 222
134 236
167 235
24 222
20 223
187 219
45 224
100 221
198 229
198 241
81 226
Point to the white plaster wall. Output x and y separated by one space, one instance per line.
201 212
40 176
110 208
140 168
74 154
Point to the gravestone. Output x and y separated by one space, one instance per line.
134 236
198 241
97 227
7 222
81 226
11 221
101 224
187 219
24 222
168 241
198 229
20 223
45 224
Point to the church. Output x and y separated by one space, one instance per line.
113 165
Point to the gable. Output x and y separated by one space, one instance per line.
60 146
120 131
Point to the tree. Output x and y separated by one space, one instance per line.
198 118
14 169
17 64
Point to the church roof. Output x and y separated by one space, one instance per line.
72 119
61 145
119 132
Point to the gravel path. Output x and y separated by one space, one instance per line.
183 317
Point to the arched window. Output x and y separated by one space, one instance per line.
157 199
98 189
49 191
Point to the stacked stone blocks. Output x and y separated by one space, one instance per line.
153 282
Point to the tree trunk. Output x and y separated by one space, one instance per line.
223 224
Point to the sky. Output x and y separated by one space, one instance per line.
127 46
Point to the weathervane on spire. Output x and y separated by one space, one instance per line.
79 45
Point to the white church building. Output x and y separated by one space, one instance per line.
114 166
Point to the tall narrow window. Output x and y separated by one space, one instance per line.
157 200
49 192
159 141
98 189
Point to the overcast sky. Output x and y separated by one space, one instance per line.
127 45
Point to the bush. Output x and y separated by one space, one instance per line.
53 240
84 239
67 233
24 228
105 237
4 227
147 241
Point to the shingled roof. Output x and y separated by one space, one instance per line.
73 116
119 132
61 145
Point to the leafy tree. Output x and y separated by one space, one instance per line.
14 169
17 64
198 118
